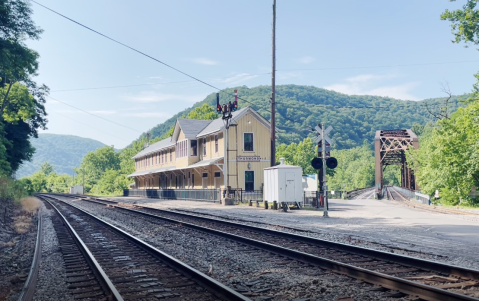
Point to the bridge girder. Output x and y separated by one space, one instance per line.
390 148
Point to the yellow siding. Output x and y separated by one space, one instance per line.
257 167
261 137
247 124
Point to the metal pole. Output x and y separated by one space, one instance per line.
227 157
83 188
273 92
325 186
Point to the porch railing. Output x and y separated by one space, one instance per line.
205 195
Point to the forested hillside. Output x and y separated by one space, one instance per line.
355 118
63 152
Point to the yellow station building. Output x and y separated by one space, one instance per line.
193 158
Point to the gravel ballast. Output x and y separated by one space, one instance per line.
51 283
258 274
353 226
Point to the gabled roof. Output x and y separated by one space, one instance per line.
218 124
189 127
155 147
193 129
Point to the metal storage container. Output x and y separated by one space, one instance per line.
283 183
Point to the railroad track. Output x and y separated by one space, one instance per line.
395 195
105 263
410 276
359 193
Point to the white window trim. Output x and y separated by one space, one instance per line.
217 143
178 143
254 179
244 142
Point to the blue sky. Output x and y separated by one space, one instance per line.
399 49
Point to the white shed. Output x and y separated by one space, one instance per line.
283 183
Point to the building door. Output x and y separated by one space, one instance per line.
217 179
205 180
193 180
290 186
249 180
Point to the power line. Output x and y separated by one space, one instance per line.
69 118
127 46
96 115
134 49
125 86
203 82
380 66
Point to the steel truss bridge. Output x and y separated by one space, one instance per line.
390 148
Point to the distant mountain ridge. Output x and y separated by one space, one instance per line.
354 118
62 151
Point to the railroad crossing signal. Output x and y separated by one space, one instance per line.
326 132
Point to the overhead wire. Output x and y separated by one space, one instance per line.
212 86
378 66
108 120
69 118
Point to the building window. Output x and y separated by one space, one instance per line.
216 143
194 148
171 154
248 142
249 180
217 174
204 146
205 175
193 180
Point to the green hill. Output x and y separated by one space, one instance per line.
354 118
62 151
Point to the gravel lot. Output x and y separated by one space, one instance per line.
255 273
51 278
368 223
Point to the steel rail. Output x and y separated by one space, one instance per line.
211 284
28 289
391 282
110 290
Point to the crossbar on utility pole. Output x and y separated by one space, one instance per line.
273 92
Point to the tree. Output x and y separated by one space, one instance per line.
17 62
111 182
21 119
22 110
47 168
465 28
96 163
448 159
355 169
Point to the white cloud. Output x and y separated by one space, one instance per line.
370 84
151 97
306 59
103 112
147 114
204 61
236 79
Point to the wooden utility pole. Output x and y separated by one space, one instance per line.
273 92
